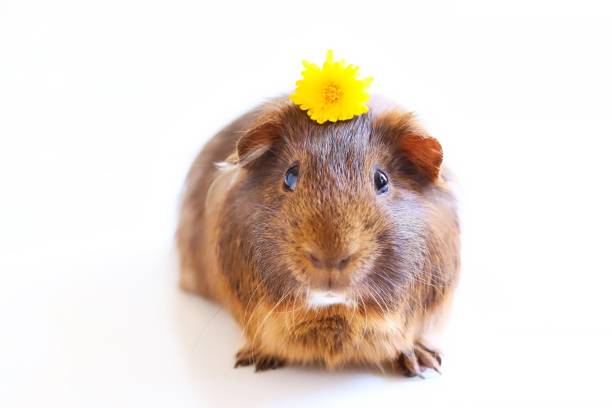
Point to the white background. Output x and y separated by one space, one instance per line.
103 105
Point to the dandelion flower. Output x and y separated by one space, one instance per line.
331 92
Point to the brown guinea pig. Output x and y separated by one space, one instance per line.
330 244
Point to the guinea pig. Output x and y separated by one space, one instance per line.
333 244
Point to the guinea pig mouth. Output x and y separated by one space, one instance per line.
320 299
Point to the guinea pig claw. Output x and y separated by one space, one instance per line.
244 362
408 364
267 363
247 357
435 354
412 362
428 358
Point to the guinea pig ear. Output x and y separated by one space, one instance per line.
422 150
257 141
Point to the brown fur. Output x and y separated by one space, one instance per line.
256 248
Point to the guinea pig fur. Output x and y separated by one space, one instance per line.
330 244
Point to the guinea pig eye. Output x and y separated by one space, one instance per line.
291 177
381 182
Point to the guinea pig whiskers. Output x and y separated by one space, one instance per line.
354 313
423 282
301 305
265 319
253 313
294 308
385 278
365 315
246 309
375 296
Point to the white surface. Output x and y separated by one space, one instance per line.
104 104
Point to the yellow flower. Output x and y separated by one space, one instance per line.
331 92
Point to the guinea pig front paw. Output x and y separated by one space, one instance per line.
262 362
412 362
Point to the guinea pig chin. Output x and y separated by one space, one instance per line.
321 299
327 288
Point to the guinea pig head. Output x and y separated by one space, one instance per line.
338 210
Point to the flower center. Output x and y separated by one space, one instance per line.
332 93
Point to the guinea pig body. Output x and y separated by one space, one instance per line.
330 244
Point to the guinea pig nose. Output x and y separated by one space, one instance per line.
338 263
331 261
